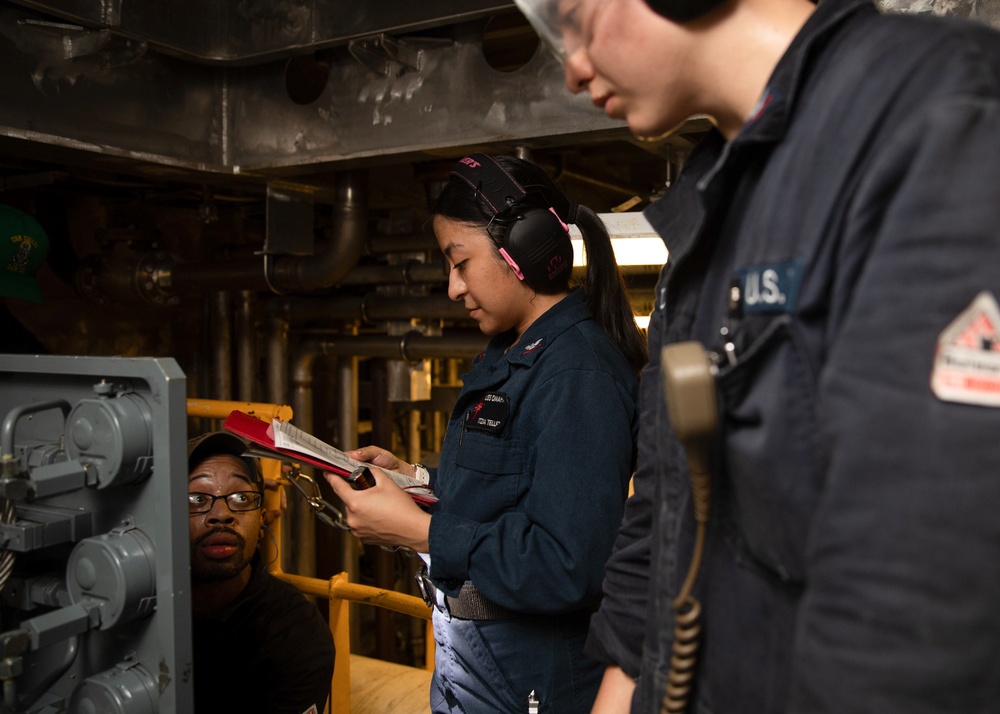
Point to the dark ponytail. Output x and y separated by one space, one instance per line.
605 289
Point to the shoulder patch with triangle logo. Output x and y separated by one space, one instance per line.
967 362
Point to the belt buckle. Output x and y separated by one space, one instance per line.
427 589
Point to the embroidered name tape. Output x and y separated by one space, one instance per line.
490 414
967 362
770 288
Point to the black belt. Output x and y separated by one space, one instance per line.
469 605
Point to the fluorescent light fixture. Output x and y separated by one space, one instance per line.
633 239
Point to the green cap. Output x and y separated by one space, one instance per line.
24 246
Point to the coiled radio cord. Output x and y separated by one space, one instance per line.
689 387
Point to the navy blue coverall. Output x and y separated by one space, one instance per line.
854 535
532 482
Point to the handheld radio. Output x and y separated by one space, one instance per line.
689 389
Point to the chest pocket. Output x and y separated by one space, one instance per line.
490 472
773 465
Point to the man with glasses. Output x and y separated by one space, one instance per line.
259 645
834 243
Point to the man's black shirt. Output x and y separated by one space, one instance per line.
269 652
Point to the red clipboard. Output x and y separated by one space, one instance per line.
256 431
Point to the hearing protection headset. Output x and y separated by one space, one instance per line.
533 240
683 10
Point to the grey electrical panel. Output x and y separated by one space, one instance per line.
94 585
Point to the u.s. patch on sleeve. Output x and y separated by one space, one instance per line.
967 362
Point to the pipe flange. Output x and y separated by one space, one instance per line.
407 272
403 346
363 309
153 278
269 274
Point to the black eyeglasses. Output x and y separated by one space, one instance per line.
237 502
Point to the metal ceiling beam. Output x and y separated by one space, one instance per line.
255 31
154 111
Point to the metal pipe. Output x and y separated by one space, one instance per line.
284 273
277 360
250 273
234 274
587 179
221 346
103 279
411 273
384 563
381 244
277 391
302 407
413 454
304 522
159 278
246 353
343 250
347 433
370 308
347 402
409 347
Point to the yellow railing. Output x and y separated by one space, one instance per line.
220 409
339 592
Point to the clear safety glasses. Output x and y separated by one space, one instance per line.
557 23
